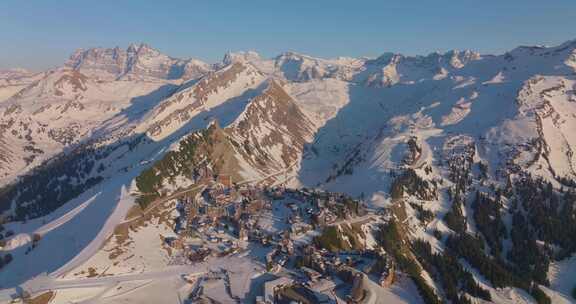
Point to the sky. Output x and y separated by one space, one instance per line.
40 34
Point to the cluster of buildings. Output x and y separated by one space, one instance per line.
225 217
318 274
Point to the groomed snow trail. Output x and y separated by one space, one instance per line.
125 202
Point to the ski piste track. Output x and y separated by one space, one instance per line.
124 204
48 282
52 281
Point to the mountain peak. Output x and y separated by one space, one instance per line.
242 56
385 58
138 46
62 83
14 73
144 48
138 61
274 126
295 56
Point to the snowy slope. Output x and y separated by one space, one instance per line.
62 109
463 102
14 80
235 81
272 130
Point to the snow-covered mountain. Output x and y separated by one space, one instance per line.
208 93
272 130
64 107
454 148
13 80
139 62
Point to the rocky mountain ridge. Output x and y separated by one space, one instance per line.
136 62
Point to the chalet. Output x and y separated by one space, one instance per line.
311 274
277 194
287 246
243 233
299 227
174 242
215 212
225 180
272 289
297 293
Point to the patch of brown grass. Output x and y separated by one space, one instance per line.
44 298
134 212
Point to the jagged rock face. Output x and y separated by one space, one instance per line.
272 129
136 62
107 62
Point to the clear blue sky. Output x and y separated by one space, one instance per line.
40 33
